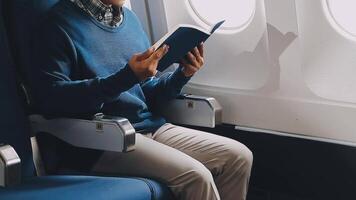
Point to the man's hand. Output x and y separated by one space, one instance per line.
144 65
193 61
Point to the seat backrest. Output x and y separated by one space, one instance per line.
21 18
14 126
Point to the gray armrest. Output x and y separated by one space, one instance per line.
10 166
193 110
102 133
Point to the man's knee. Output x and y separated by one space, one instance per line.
202 174
194 182
241 155
195 173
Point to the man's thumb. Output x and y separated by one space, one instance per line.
146 54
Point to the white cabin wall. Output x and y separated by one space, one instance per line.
284 47
266 75
140 9
328 53
243 68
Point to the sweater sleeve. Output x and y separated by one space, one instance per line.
165 88
56 93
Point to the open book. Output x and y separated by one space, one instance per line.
181 40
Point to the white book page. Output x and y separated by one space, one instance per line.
166 36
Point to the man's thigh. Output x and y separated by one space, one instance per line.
215 152
150 159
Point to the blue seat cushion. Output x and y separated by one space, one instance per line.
158 190
85 187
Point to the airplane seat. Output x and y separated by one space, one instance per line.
78 187
185 110
21 18
17 173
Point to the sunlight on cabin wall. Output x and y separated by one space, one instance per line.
236 12
344 14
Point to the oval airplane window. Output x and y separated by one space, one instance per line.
343 12
237 13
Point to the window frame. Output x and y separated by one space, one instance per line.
335 23
203 19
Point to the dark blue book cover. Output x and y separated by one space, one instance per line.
182 40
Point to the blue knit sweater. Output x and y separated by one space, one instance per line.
81 69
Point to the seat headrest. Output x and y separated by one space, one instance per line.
27 8
35 5
22 16
43 5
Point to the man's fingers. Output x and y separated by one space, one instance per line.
198 56
192 59
158 55
188 65
152 68
152 61
201 49
193 68
184 62
145 54
196 52
200 60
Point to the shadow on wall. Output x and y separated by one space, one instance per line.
278 43
253 67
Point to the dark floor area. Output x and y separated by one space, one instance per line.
287 168
258 194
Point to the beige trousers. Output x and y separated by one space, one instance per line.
195 165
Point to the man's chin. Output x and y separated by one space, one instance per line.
119 3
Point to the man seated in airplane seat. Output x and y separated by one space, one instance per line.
88 60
